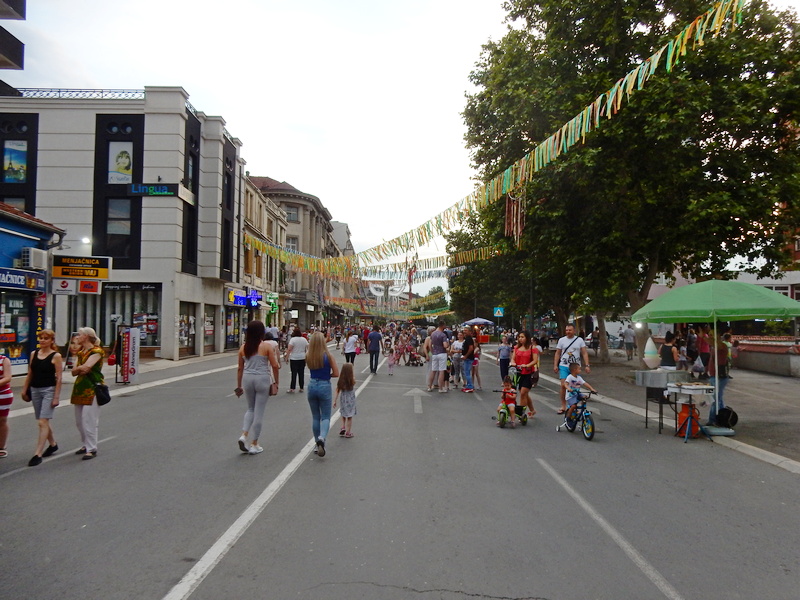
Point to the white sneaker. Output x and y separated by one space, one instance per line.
243 443
256 449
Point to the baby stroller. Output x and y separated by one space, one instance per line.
414 359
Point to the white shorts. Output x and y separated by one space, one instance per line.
439 362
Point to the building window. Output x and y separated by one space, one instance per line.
292 214
18 203
19 145
248 261
292 243
118 228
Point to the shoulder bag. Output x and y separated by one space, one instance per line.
101 392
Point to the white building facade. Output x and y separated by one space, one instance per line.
144 178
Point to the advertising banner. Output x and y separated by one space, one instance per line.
128 360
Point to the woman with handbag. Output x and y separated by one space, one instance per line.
255 378
88 372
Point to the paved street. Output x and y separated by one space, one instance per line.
429 500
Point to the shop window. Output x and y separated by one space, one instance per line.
186 329
16 332
209 328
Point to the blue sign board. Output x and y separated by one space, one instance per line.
498 311
17 279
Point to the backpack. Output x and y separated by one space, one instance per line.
727 417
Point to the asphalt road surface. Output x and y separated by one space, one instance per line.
429 500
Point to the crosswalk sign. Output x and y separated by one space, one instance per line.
498 311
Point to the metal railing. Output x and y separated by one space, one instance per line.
82 94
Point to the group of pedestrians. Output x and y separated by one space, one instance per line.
42 388
258 379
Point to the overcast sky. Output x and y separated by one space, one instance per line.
357 102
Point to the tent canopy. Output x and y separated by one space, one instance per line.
479 321
717 300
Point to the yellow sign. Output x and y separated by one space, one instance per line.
81 267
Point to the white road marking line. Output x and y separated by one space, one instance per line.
645 567
52 458
202 568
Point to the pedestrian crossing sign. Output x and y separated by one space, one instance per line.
498 311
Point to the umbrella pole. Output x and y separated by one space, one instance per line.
716 370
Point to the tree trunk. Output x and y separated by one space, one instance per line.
561 319
604 357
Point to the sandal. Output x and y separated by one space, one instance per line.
3 452
560 411
343 431
349 435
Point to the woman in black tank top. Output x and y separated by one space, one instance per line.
42 387
669 353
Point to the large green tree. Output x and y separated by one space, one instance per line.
698 171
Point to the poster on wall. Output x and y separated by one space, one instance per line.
15 161
120 162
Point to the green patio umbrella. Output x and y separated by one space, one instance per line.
717 300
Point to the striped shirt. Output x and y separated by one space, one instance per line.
6 394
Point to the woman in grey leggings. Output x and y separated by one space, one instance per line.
254 378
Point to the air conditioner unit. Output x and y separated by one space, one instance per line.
33 258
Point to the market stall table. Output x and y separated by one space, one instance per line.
656 381
685 394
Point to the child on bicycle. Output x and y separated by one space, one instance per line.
509 398
573 383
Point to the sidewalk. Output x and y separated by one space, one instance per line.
768 406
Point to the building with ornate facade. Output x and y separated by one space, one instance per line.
309 231
262 274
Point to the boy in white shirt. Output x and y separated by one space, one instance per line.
573 383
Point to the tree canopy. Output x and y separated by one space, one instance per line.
698 173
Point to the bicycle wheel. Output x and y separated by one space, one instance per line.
571 419
501 418
588 426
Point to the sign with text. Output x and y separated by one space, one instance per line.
89 287
19 279
81 267
64 287
129 357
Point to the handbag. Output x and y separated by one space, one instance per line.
112 360
358 349
101 392
273 389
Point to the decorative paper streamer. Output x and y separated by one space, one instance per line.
351 268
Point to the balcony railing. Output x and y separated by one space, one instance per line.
82 94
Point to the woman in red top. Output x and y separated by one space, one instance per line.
526 359
6 398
